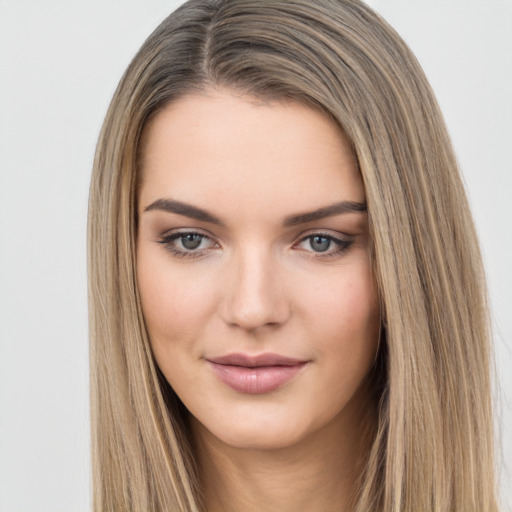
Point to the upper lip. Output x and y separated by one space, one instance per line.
255 361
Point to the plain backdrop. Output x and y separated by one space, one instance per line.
60 61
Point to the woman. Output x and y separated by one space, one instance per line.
287 298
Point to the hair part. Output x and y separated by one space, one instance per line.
432 449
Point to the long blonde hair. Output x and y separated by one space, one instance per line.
433 444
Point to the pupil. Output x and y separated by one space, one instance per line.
191 241
320 243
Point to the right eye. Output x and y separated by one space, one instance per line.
189 244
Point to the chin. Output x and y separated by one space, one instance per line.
258 438
261 430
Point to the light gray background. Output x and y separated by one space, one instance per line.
60 61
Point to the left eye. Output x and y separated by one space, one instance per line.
321 243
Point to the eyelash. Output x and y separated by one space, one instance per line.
168 242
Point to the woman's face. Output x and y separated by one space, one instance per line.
253 268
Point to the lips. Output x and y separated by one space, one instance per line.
259 374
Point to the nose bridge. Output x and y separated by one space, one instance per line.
254 297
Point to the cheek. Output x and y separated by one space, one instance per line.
347 297
176 309
344 311
174 303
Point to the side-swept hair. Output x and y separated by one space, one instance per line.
433 444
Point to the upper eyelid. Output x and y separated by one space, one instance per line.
334 239
335 235
171 236
185 231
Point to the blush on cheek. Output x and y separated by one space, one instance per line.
352 303
351 322
361 297
174 304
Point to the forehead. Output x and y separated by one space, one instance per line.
220 145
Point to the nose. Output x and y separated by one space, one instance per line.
254 295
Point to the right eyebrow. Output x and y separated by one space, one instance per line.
187 210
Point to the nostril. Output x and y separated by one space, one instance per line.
252 312
252 297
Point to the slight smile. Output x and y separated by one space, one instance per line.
255 374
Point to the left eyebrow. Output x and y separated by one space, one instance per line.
326 211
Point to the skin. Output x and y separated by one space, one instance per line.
255 285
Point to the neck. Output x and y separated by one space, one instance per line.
321 472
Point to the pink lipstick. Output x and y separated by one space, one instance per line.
255 374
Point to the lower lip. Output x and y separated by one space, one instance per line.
255 381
